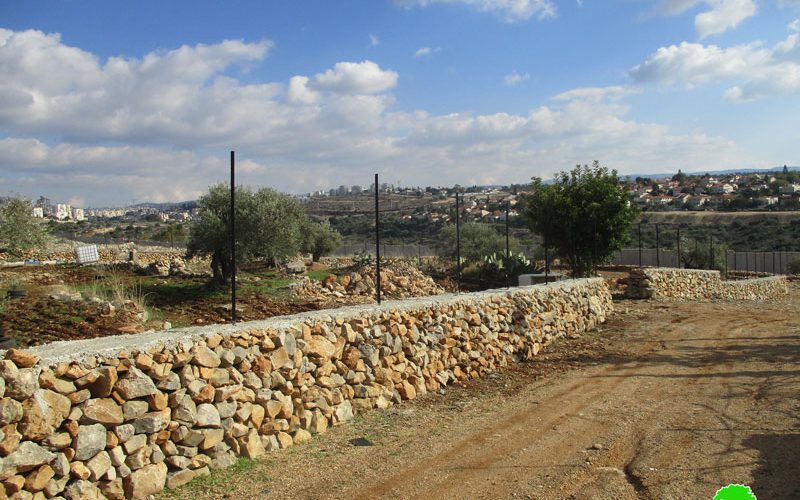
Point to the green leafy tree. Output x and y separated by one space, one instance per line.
680 177
20 231
268 226
702 255
320 239
585 215
173 233
477 241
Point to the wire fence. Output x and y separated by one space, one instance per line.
774 262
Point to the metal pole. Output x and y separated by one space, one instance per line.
233 242
508 254
640 244
735 261
710 252
658 253
546 264
726 263
377 245
678 241
773 262
458 246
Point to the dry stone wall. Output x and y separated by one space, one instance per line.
700 284
123 417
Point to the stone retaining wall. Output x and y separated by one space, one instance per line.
700 284
123 417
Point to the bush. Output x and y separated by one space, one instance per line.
585 214
320 239
477 241
793 267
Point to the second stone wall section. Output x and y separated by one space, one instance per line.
700 284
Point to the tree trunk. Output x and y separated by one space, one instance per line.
221 269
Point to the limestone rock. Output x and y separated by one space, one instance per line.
83 490
104 384
98 465
37 480
207 416
251 445
10 411
22 359
90 440
27 456
103 411
135 384
179 478
149 423
203 356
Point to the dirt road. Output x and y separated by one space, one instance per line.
667 400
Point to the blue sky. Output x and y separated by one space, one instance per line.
102 103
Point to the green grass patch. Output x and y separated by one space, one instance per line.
219 479
319 275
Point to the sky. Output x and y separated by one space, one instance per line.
109 103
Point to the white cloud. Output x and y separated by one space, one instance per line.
756 70
694 63
422 52
720 15
510 11
593 93
159 128
724 14
365 77
374 40
299 93
795 25
513 79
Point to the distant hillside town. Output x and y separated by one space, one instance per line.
765 190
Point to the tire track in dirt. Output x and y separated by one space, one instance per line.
475 460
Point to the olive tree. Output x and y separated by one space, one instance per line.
20 231
320 239
268 226
585 214
478 241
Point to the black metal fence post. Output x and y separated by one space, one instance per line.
508 254
233 242
711 252
546 263
377 245
658 253
458 246
726 263
735 261
678 242
773 262
640 244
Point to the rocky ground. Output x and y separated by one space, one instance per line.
667 400
66 302
399 279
